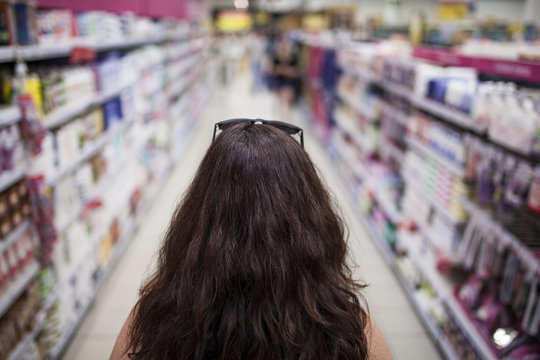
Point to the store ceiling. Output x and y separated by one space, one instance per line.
267 5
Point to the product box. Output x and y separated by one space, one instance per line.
112 112
7 24
25 16
55 26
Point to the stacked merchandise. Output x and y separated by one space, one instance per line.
443 163
83 155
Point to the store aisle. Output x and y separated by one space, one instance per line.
387 302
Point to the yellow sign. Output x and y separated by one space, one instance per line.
452 11
234 21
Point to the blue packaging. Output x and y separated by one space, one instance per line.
25 17
112 112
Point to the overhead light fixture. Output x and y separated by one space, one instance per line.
241 4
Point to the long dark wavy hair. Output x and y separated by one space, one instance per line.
253 264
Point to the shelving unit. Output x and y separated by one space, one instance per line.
420 148
9 178
174 52
17 287
442 215
440 285
9 115
14 235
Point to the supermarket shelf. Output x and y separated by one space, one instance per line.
6 53
437 282
14 235
39 52
441 286
427 151
67 112
89 152
9 178
429 236
51 51
355 165
397 89
435 108
445 112
363 75
427 321
18 287
468 328
396 115
410 180
103 182
389 208
522 251
392 150
9 115
22 346
355 104
58 349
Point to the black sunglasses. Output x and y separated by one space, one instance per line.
288 128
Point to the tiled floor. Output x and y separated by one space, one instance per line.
388 305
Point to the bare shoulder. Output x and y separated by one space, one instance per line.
120 349
378 348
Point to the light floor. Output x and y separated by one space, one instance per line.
388 304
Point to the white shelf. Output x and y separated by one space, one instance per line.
433 107
355 104
521 250
43 51
454 116
14 235
397 115
469 329
389 208
17 287
102 183
86 154
22 346
392 150
9 115
398 89
361 74
9 178
410 180
441 286
6 53
67 112
355 165
117 252
50 51
422 149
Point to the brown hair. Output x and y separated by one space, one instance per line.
253 263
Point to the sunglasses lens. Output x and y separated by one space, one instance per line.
288 129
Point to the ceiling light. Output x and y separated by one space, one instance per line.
241 4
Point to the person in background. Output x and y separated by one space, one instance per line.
286 74
253 264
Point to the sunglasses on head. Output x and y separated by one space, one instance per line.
283 126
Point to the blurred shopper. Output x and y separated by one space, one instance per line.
253 265
286 75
